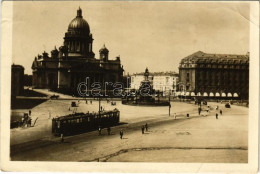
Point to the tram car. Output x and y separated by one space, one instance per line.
83 122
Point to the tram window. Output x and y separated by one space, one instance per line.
77 120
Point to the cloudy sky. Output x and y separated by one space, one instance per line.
156 35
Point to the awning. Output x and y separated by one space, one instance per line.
187 93
229 94
235 95
217 94
205 94
182 93
192 94
211 94
223 95
198 94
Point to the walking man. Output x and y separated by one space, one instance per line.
142 129
108 130
61 138
188 115
99 130
220 111
216 115
146 127
121 133
175 116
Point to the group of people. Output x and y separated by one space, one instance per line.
89 101
121 133
108 130
27 120
113 103
144 127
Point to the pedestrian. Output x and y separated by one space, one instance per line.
90 101
29 122
199 109
175 116
108 130
142 129
86 102
99 130
216 115
188 115
61 138
146 127
30 112
101 108
121 133
220 111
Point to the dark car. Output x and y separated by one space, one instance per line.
227 105
54 96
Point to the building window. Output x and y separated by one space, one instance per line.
167 79
188 77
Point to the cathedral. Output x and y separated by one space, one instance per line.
74 61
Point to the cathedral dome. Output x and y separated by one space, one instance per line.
79 23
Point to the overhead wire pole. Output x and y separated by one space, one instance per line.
99 103
169 103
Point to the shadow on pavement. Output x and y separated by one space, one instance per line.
26 103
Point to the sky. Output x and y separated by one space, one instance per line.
149 34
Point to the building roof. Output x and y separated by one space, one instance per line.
201 57
17 66
167 73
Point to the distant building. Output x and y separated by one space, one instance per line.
215 75
161 81
17 80
75 61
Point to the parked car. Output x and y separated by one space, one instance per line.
227 105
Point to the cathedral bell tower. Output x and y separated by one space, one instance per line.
103 52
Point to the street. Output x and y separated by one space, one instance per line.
197 139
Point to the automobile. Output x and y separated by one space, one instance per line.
54 96
227 105
73 104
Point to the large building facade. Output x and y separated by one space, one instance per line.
65 68
215 75
161 81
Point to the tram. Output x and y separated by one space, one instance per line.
82 122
